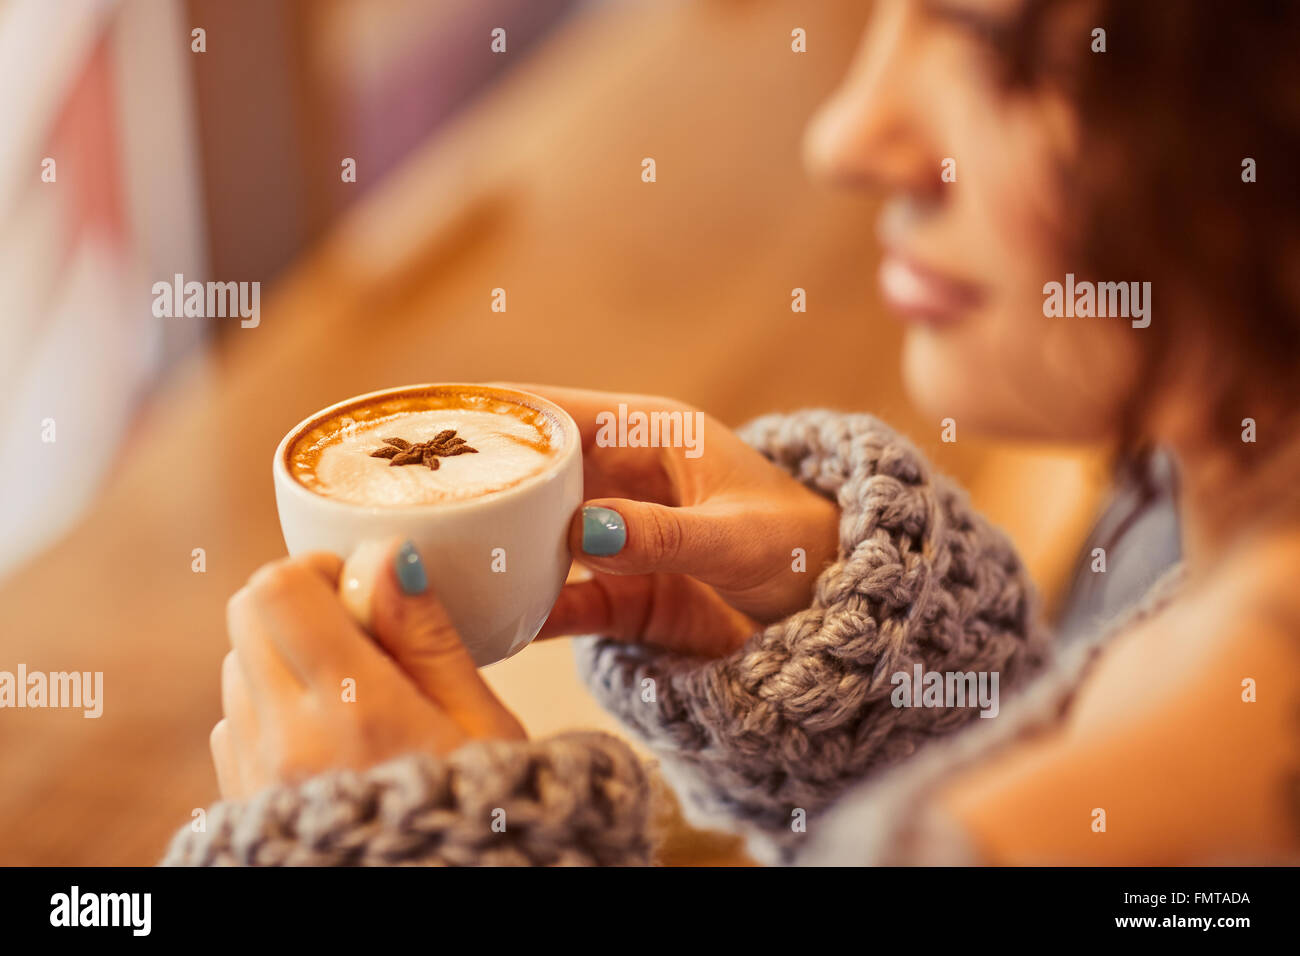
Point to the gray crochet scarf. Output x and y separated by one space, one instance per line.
764 740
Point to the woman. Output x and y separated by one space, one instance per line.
1017 146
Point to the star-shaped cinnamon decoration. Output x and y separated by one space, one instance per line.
445 444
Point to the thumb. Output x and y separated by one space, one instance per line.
409 622
620 536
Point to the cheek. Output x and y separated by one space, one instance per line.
1017 184
1008 369
1010 203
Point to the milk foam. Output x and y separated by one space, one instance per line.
510 447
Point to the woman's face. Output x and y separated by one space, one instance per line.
973 222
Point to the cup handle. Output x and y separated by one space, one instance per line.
357 581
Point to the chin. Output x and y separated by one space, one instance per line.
938 383
945 377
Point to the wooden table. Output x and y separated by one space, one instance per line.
679 287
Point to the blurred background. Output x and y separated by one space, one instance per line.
475 170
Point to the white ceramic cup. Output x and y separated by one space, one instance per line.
497 612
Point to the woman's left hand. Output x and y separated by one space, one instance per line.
306 690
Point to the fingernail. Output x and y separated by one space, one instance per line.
410 570
603 532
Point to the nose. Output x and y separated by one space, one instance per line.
870 134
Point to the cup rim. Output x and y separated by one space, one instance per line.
572 448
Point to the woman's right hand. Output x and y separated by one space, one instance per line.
691 553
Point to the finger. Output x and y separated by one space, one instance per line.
237 702
324 563
229 780
584 405
664 468
266 671
621 536
410 623
289 619
613 470
585 608
671 611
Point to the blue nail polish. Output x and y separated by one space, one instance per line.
410 570
603 532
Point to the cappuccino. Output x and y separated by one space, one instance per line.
483 480
424 447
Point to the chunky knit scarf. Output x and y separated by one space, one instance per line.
764 739
576 799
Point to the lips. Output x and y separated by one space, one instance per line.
922 295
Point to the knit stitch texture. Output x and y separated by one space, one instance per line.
803 711
577 799
893 820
